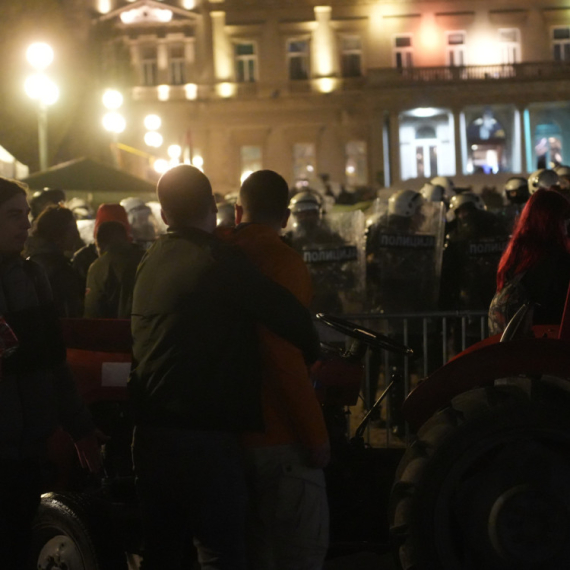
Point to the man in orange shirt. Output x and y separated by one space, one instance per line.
289 511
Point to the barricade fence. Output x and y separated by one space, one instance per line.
435 338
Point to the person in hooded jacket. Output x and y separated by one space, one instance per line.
84 257
111 277
37 392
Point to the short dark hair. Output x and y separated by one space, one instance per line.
111 232
52 224
10 188
264 196
185 194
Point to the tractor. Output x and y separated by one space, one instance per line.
481 485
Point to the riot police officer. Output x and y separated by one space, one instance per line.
141 220
331 254
543 178
403 246
474 246
516 196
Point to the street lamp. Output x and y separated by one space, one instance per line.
153 138
152 122
42 89
113 121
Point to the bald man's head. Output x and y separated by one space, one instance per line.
185 195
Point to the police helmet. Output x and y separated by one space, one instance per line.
81 209
404 203
464 199
562 170
543 178
432 192
132 204
447 185
516 190
305 202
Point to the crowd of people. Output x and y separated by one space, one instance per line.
230 442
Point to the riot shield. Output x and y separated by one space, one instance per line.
403 258
508 216
333 249
471 259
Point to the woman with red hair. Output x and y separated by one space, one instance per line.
535 266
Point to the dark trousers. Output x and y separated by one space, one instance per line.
20 491
191 486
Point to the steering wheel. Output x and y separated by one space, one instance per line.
362 334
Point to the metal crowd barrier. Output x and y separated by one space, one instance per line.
436 337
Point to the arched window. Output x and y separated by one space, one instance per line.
425 132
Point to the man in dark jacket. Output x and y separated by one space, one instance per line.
111 277
36 389
195 384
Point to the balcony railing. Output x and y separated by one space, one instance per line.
549 70
378 78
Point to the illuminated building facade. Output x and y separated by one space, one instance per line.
369 92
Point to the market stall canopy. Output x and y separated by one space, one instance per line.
92 180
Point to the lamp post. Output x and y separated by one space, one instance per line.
113 121
42 89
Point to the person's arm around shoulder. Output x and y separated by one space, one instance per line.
266 301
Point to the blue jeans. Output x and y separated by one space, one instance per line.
191 486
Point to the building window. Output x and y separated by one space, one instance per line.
351 56
176 64
304 161
149 66
487 150
246 62
356 163
250 160
561 44
427 147
509 40
455 50
298 59
403 51
548 145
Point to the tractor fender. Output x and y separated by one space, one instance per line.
481 367
99 356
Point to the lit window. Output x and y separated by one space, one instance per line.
177 64
351 56
509 40
403 51
455 50
246 62
304 161
561 44
298 59
356 163
149 67
251 160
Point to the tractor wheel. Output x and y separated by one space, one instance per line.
485 485
71 532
